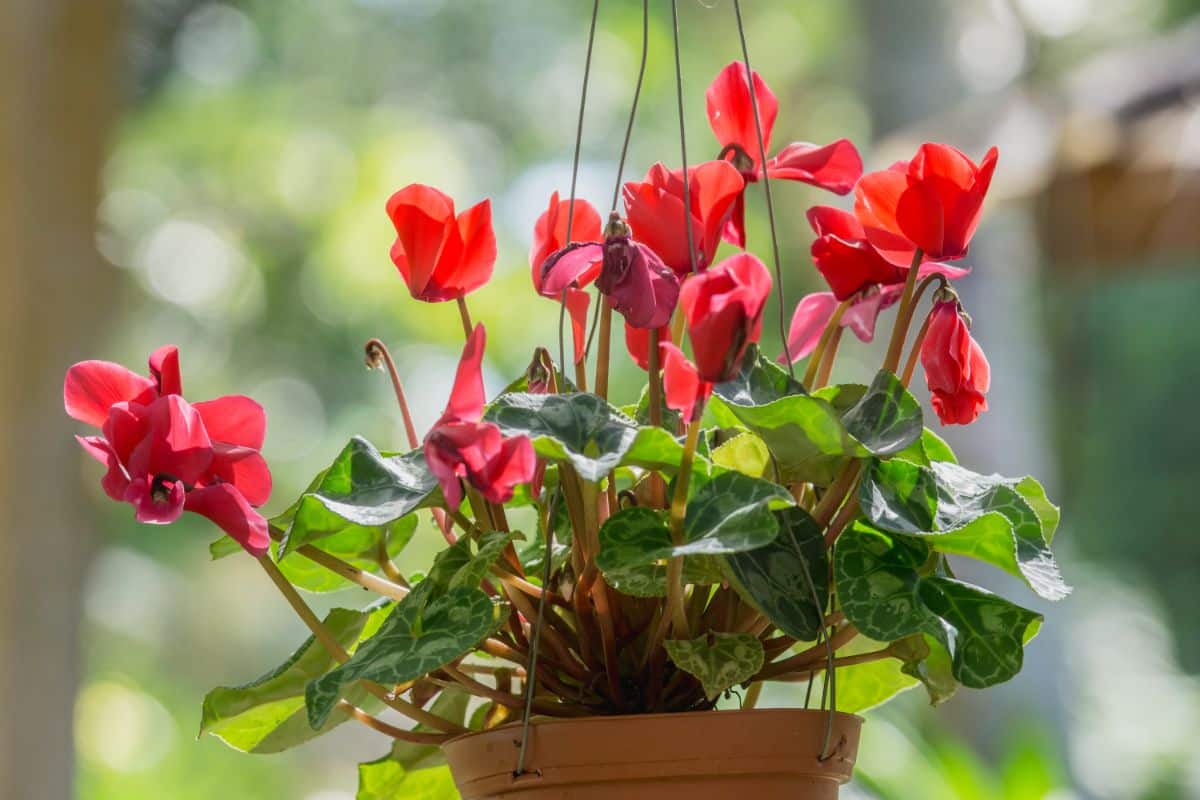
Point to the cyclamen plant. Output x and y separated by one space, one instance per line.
730 526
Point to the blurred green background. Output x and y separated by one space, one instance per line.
239 214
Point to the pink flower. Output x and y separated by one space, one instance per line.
459 446
164 455
956 369
723 307
441 256
549 237
836 166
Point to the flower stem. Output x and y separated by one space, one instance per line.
413 737
353 574
377 353
903 315
678 536
818 353
911 365
602 350
836 493
809 660
827 360
466 317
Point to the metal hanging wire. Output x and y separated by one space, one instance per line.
687 196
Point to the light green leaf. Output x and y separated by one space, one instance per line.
267 714
745 453
422 633
451 705
781 578
580 428
719 660
927 660
386 780
458 566
862 687
361 489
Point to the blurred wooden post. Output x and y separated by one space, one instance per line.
58 90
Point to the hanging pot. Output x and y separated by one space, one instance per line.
710 755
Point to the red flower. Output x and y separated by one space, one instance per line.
843 255
932 203
814 311
723 307
655 211
441 256
549 237
460 446
955 367
685 391
836 166
165 455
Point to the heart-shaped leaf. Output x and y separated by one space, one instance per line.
758 381
730 513
719 660
361 489
1005 522
422 633
887 418
580 428
788 579
267 714
635 545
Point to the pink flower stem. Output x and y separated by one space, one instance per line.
903 315
602 350
376 354
818 353
911 364
831 349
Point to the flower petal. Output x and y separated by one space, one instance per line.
115 481
164 367
731 114
234 419
467 396
812 314
91 388
225 505
836 166
245 468
422 216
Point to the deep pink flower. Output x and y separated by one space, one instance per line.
932 202
955 367
459 446
836 166
814 311
655 210
549 237
723 307
164 455
440 255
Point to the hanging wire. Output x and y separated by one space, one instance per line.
637 92
587 72
687 197
766 182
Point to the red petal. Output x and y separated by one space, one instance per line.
574 265
175 442
151 509
657 219
235 419
827 220
115 481
422 216
245 468
225 505
735 229
578 302
478 258
812 314
550 231
164 366
467 396
513 464
682 387
637 342
836 166
92 387
731 114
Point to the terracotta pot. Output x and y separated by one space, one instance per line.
716 755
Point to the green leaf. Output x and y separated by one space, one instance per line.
782 578
640 412
730 513
960 512
356 545
361 489
862 687
267 714
387 780
457 566
887 418
745 453
759 381
635 545
656 449
450 704
883 595
927 660
580 428
422 633
719 660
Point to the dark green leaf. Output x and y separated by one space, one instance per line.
267 715
635 545
957 511
422 633
759 381
361 488
731 513
876 579
782 578
580 428
719 660
887 418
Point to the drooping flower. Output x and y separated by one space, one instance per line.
440 255
632 278
956 369
550 236
684 389
164 455
814 311
460 446
655 210
723 308
835 166
932 203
